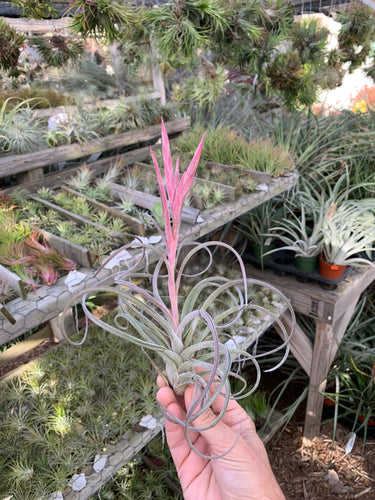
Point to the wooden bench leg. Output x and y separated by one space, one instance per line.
69 322
327 341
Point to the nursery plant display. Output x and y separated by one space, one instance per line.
68 407
98 239
189 333
224 145
24 251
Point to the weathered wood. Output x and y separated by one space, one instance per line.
300 345
56 326
32 175
262 177
145 200
79 254
133 223
38 25
13 280
49 301
311 299
105 103
7 315
319 370
16 350
98 167
16 164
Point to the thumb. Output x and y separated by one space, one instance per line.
220 437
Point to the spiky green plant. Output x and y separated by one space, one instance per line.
356 33
10 46
188 335
20 129
102 18
58 50
36 9
183 27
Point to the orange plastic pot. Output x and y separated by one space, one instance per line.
330 271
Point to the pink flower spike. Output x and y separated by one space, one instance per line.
188 176
168 165
164 201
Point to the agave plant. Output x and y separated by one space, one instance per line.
189 335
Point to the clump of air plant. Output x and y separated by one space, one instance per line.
192 336
34 261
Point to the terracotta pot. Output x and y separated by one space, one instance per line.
330 271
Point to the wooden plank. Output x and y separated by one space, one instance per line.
49 301
7 315
262 177
105 103
319 370
145 200
133 223
13 280
79 254
32 175
20 348
22 163
38 25
300 345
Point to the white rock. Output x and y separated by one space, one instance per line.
99 462
78 482
56 495
149 422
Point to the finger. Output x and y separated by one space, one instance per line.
161 382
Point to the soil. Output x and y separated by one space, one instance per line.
315 470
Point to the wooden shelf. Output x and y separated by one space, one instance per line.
49 301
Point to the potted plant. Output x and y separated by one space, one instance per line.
348 230
302 233
256 226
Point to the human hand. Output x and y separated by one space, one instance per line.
243 473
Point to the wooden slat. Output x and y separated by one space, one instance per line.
105 103
98 167
300 345
22 163
133 223
145 200
48 302
79 254
13 280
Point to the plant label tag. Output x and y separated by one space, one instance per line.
78 482
73 278
116 259
149 422
350 443
99 462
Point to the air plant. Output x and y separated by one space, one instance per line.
189 334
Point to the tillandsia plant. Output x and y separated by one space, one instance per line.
188 329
